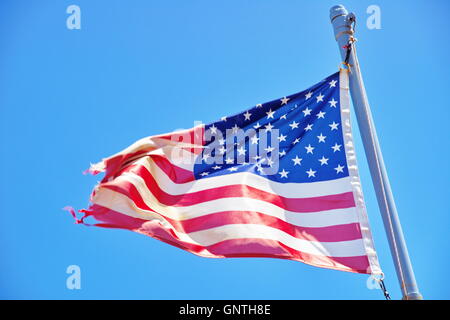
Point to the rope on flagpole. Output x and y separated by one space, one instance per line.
379 278
383 288
351 40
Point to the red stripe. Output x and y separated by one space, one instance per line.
230 248
193 136
175 173
312 204
115 164
344 232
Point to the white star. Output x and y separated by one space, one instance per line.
235 128
205 156
282 153
269 149
308 95
222 150
307 111
309 149
321 114
203 174
223 118
320 97
336 147
285 100
213 129
311 173
247 115
283 116
282 138
284 173
269 162
334 126
339 168
323 161
321 138
259 105
259 168
255 140
270 114
268 127
256 158
293 125
229 161
308 127
217 167
297 161
257 125
296 141
221 142
241 151
232 169
332 83
332 102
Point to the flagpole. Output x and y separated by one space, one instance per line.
342 22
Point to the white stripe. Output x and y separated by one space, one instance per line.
287 190
238 231
121 203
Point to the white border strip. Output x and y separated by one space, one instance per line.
354 174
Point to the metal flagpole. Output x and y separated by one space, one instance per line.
342 22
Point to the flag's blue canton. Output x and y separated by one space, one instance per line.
311 146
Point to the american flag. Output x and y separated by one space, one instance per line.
278 180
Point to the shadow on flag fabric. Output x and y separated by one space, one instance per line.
278 180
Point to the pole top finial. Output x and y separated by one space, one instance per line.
338 10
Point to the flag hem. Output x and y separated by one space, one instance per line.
352 166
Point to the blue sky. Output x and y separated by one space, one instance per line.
138 68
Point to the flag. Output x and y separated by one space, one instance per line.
278 180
